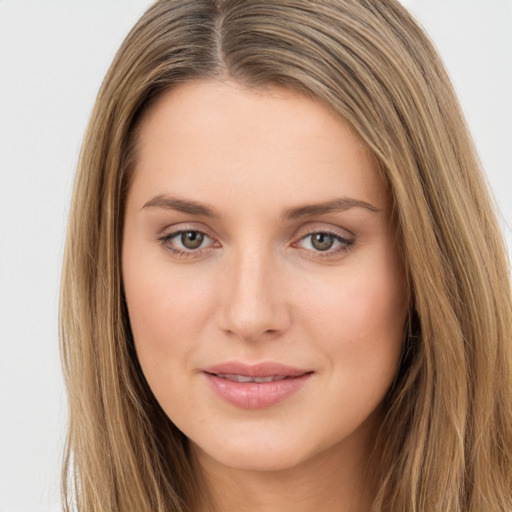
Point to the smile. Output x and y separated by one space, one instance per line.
245 379
255 387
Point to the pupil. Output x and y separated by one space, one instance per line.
322 241
192 239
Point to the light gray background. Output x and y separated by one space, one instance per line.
53 56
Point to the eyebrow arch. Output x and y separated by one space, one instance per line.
195 208
180 205
336 205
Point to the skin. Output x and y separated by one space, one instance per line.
258 289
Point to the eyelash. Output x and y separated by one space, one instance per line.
183 253
345 244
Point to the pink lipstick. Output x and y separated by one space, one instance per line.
255 386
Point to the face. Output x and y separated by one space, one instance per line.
264 288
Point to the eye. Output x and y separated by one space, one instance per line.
186 242
192 239
324 242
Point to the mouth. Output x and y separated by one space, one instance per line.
245 378
256 386
268 370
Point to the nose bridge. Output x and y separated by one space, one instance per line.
253 303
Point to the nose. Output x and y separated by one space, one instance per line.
254 302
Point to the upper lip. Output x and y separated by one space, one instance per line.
266 369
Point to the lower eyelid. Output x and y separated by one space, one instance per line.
166 243
165 240
344 246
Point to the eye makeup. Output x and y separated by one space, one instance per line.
194 243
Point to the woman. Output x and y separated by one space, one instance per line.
284 285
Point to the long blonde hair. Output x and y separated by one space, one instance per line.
445 443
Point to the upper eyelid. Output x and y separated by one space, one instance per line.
169 230
332 230
177 232
337 236
343 240
299 234
345 245
165 242
311 226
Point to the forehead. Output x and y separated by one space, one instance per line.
213 139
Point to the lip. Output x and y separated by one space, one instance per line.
256 395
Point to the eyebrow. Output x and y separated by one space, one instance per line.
336 205
194 208
180 205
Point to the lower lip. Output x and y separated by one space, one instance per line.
256 395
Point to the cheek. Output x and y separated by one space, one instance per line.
360 316
377 310
168 309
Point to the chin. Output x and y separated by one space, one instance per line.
255 456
